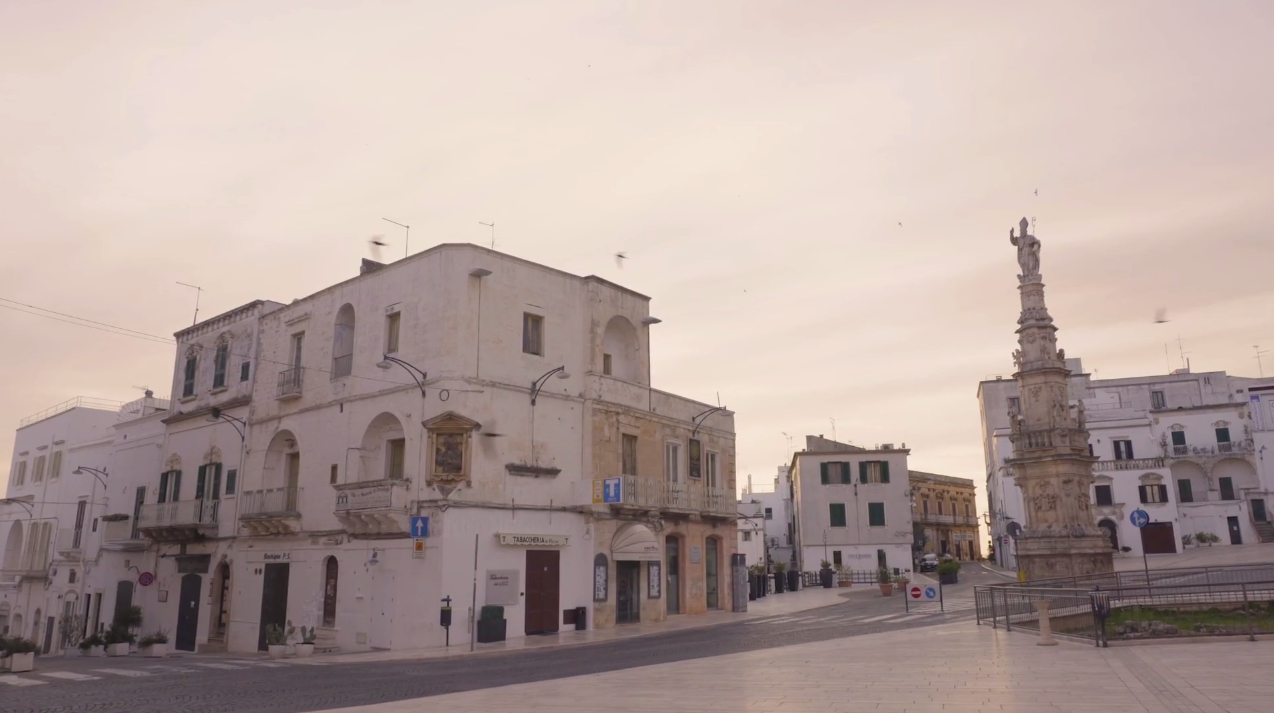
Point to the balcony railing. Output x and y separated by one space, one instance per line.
1221 449
184 513
1130 464
274 501
933 518
290 382
121 532
342 366
661 494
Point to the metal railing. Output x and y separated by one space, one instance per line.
180 513
342 366
1245 447
653 493
77 402
1130 464
280 501
290 381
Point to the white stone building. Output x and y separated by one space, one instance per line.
751 526
852 506
776 508
1188 448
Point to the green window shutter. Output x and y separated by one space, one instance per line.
1141 491
176 485
216 481
200 479
822 472
163 487
845 476
1163 493
837 514
232 476
884 471
876 514
862 471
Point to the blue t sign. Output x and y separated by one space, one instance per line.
419 526
1139 518
612 490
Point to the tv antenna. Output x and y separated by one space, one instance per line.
490 225
833 428
198 291
406 240
1259 353
789 445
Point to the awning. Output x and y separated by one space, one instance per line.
635 542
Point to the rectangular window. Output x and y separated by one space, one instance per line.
1179 447
245 371
628 459
1153 493
606 364
836 511
1015 404
1104 496
1227 488
1157 401
79 523
769 513
873 471
1123 450
747 536
1223 440
925 504
169 486
55 467
1090 451
837 561
968 510
220 361
392 323
845 477
711 467
332 477
298 347
396 457
876 514
1185 491
201 477
941 507
232 481
695 459
37 473
672 462
20 473
188 382
215 492
139 497
532 334
823 473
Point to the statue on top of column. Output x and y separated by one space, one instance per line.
1028 249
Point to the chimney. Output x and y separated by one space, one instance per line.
369 266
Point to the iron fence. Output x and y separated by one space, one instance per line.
855 576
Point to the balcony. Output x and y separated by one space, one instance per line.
275 511
178 522
1219 450
660 495
122 535
374 508
290 383
1130 464
932 519
70 544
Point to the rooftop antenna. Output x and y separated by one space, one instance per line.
198 291
1259 352
789 446
407 240
833 429
1167 360
1182 353
490 225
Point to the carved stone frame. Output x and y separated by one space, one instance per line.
443 425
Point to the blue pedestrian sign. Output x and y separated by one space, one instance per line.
1139 518
613 490
419 526
931 593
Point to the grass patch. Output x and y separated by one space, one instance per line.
1260 615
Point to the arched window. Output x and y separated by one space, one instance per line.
621 351
1111 530
220 362
188 378
343 342
330 575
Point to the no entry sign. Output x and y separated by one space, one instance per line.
927 593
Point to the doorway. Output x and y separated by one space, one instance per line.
274 599
1258 510
710 569
1236 535
672 548
627 592
220 603
188 612
542 589
1157 538
330 573
123 598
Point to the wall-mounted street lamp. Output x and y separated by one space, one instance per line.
239 424
418 375
698 420
25 501
538 384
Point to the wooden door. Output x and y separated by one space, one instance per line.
1236 534
274 599
1158 538
188 612
543 582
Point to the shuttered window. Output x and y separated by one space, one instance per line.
836 511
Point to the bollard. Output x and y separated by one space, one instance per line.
1046 627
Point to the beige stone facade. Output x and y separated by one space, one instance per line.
943 507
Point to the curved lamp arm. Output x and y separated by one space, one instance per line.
417 374
538 384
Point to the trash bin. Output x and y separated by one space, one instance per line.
581 618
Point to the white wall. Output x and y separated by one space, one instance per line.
813 511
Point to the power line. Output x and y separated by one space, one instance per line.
90 326
169 340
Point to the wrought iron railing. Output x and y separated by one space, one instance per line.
1245 447
1130 464
182 512
654 493
290 381
256 503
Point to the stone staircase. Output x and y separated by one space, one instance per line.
1264 530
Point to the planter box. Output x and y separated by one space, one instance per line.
94 651
887 590
779 582
21 663
827 578
117 649
304 651
845 584
155 651
949 578
277 651
793 580
491 630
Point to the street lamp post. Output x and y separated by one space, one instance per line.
538 385
98 476
417 374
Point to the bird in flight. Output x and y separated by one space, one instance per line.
1161 315
620 257
900 224
377 244
1037 191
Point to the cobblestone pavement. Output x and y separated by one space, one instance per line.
198 684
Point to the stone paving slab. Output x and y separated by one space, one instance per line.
955 668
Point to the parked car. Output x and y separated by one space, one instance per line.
929 563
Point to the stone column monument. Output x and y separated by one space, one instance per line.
1050 460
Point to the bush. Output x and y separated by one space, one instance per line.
154 637
883 576
130 618
780 567
491 612
825 564
16 645
92 641
948 567
118 635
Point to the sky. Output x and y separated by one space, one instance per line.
816 195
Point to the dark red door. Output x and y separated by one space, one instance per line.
1157 538
542 589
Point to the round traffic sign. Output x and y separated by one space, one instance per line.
145 579
915 592
1139 518
931 593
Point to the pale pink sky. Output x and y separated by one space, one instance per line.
753 159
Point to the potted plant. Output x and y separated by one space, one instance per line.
901 582
753 582
844 578
491 624
117 640
93 646
826 575
18 654
886 581
779 569
276 640
1187 540
154 645
948 572
1206 538
305 649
